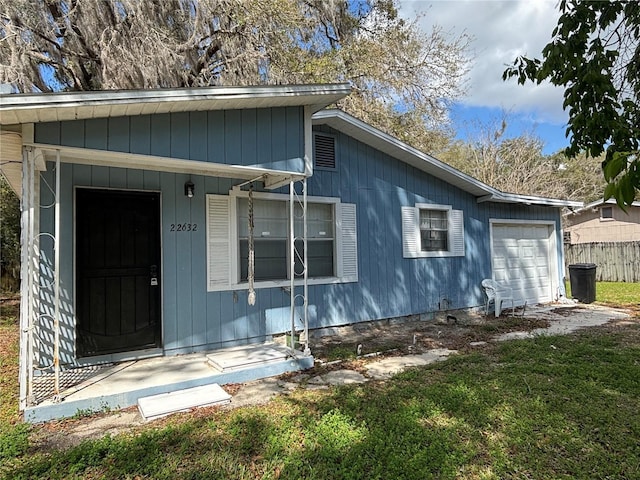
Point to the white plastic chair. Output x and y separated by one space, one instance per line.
497 293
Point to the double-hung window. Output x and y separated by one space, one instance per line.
271 239
331 240
432 231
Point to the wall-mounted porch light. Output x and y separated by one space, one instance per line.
189 189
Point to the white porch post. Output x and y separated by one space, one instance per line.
24 376
307 350
29 272
294 198
56 286
292 263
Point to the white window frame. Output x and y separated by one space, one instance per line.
345 272
411 239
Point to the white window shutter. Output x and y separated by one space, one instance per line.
456 226
218 231
348 242
410 233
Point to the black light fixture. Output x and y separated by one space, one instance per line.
189 189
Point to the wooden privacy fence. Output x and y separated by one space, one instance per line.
617 262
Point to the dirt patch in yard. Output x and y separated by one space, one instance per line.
455 331
626 328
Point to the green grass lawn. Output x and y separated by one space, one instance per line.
555 407
13 434
551 407
614 293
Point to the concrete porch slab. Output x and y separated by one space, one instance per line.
121 385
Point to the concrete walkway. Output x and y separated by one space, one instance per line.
587 316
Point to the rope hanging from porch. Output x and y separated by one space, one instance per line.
251 298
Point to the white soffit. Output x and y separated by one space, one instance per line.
11 159
51 107
379 140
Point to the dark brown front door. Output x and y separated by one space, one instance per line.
117 271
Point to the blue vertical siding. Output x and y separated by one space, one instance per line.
233 137
390 285
192 318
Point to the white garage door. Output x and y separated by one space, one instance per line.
522 257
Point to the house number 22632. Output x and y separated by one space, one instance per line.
184 227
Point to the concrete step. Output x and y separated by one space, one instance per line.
163 404
250 356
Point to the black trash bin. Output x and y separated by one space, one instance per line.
583 281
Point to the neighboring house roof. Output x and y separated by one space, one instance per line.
379 140
48 107
597 203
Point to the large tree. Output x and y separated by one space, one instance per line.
512 164
403 79
595 55
517 164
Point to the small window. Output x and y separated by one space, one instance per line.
566 236
606 213
434 231
324 151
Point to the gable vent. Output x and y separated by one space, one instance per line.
325 151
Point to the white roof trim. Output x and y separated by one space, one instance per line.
45 107
364 132
597 203
529 200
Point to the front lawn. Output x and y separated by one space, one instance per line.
553 407
13 434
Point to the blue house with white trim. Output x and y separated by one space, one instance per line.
166 222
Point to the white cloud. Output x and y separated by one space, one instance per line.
502 30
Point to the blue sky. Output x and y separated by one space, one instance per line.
501 30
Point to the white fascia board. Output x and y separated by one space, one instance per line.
597 203
38 107
530 200
272 178
364 132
